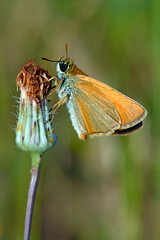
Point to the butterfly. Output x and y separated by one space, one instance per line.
95 108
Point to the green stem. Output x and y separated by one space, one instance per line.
35 174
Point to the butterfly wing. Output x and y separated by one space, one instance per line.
130 112
92 113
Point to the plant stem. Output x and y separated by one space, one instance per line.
35 174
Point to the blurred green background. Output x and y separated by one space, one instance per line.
106 188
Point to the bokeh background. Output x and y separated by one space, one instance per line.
107 188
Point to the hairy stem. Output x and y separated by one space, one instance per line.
35 174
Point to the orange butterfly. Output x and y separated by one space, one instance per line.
95 108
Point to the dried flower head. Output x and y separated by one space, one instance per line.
32 78
34 131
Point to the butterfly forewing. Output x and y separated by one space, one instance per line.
130 112
98 113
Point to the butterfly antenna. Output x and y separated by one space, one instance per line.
49 60
66 49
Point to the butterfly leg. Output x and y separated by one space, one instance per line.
49 79
55 87
57 105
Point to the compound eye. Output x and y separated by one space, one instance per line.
63 66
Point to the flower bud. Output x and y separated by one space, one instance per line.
34 131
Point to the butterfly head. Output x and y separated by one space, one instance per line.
64 66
